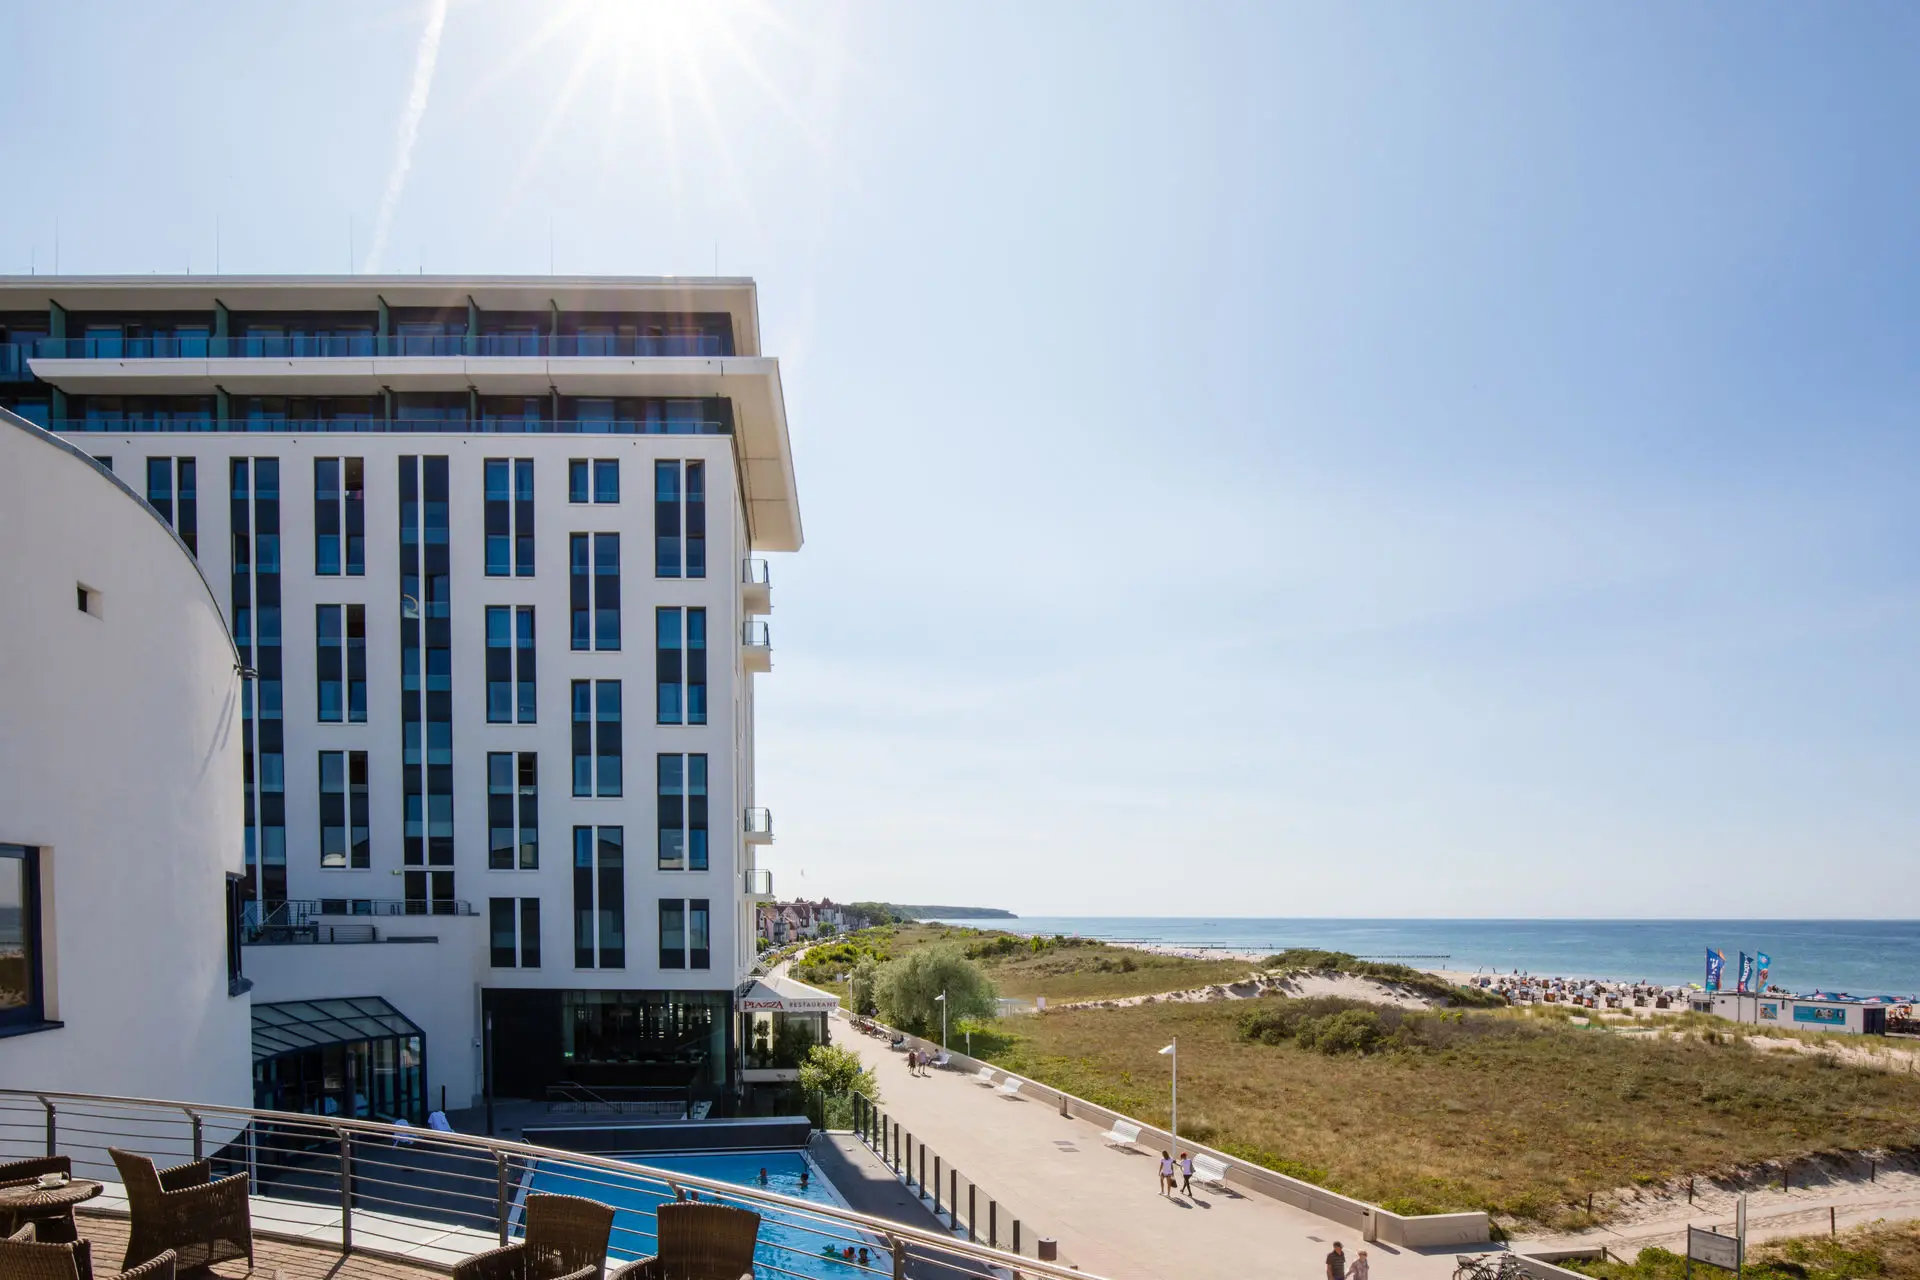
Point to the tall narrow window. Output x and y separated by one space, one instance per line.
356 663
595 480
679 519
673 933
513 933
509 517
599 898
597 751
21 961
529 933
339 516
682 808
173 491
253 514
344 830
513 811
511 678
699 935
594 590
680 661
426 683
340 663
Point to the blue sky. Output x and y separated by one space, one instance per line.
1285 460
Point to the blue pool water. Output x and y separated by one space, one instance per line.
787 1245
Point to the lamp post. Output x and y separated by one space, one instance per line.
1173 1124
942 1001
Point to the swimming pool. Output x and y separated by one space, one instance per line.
787 1246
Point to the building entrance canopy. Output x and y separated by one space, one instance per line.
781 995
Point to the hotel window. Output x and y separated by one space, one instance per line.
511 682
685 934
426 684
509 517
599 898
173 490
341 663
683 812
513 811
595 585
345 841
21 961
595 480
514 929
596 738
679 519
339 517
253 517
680 661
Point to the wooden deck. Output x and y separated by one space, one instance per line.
274 1259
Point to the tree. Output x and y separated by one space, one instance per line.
836 1071
907 989
862 984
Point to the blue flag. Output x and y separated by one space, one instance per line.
1746 972
1765 962
1716 961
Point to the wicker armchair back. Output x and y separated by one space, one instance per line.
700 1242
184 1209
22 1257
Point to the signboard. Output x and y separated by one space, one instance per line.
1824 1015
1769 1011
1713 1248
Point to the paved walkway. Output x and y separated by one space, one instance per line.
1099 1201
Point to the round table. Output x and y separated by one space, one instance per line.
34 1203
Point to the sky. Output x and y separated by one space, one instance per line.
1281 460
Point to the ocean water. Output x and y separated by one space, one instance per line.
1861 957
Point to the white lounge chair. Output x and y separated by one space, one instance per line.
1123 1134
984 1075
1009 1087
942 1060
1210 1172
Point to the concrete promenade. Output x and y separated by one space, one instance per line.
1101 1202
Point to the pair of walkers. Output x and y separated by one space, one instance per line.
1172 1170
1338 1268
917 1062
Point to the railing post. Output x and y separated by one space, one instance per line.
953 1196
993 1224
199 1140
1016 1235
899 1253
908 1153
973 1211
52 1139
936 1184
346 1191
923 1171
500 1193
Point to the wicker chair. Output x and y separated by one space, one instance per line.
566 1240
22 1257
52 1226
201 1219
700 1242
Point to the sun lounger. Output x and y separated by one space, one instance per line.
984 1075
1009 1087
1210 1172
1123 1134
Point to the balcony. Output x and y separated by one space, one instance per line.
13 362
756 646
756 588
300 920
759 884
364 346
757 826
399 426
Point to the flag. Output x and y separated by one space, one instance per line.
1765 962
1746 972
1716 961
1166 1051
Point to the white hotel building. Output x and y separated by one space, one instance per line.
489 553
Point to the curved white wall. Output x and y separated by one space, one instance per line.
120 757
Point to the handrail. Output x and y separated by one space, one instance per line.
936 1246
368 346
482 425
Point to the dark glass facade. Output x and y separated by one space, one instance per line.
426 683
254 527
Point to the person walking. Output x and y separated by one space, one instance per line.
1357 1269
913 1060
1337 1263
1166 1173
1186 1173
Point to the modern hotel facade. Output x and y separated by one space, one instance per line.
490 554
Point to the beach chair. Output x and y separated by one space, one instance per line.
1210 1172
1124 1133
1009 1087
984 1076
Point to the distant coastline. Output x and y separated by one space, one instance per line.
952 913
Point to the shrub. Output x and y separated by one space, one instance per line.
906 989
862 984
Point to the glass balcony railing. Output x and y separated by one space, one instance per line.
757 822
367 346
13 362
400 426
759 882
754 635
753 573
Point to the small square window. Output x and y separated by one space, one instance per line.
87 598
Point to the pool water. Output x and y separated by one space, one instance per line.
793 1246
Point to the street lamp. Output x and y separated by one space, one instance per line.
942 1000
1173 1124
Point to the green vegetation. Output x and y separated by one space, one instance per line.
1517 1114
878 913
836 1075
909 990
1879 1249
1417 981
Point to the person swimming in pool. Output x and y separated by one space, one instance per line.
763 1177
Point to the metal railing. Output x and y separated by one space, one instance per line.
755 635
380 1184
753 573
298 919
401 425
367 346
759 882
757 822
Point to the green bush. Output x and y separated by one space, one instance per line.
906 989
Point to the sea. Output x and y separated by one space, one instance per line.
1857 957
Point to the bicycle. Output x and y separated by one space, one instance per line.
1490 1266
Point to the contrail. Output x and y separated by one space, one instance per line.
423 60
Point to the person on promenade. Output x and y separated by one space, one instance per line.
1357 1269
1166 1173
1337 1263
913 1060
1186 1173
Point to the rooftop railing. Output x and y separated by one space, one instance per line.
399 425
369 346
357 1185
298 919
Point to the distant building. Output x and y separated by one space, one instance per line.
1803 1013
784 922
